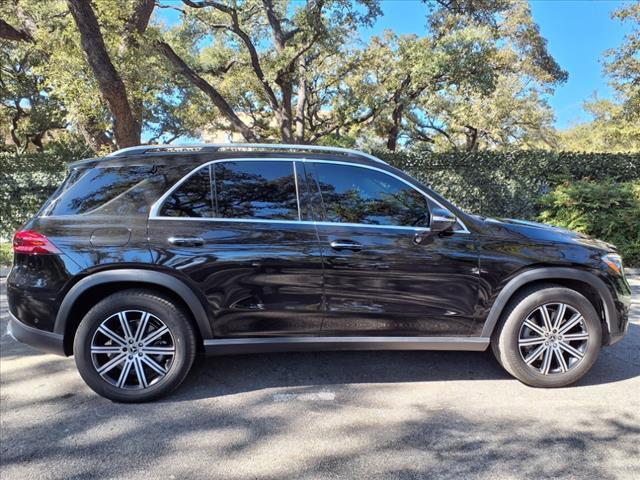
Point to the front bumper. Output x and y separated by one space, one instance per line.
46 341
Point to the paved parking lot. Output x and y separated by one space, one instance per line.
325 415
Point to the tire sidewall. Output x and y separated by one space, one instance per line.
171 316
509 351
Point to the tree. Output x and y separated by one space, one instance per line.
30 109
271 48
615 126
99 65
623 63
464 83
410 70
291 71
611 130
511 116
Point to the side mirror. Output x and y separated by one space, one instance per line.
442 220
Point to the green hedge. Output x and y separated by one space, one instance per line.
605 209
509 184
6 253
27 180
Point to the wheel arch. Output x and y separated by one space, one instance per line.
93 288
586 283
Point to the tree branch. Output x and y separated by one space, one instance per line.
204 3
11 33
134 28
276 25
182 68
139 20
236 28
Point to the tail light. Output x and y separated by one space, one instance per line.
33 243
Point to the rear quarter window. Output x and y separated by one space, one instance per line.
121 191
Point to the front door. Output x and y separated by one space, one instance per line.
386 274
234 229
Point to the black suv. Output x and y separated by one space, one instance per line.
147 256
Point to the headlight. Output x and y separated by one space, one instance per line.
614 261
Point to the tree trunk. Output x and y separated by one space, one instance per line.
126 129
396 115
94 135
302 101
396 122
471 138
134 27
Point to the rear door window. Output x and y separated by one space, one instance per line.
264 190
193 198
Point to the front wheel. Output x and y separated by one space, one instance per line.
550 336
134 346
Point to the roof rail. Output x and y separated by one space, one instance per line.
217 147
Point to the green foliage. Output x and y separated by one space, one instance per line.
622 64
29 110
27 180
607 210
509 184
616 124
613 129
6 253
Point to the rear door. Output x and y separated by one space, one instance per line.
385 273
237 229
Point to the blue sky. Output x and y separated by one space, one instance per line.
578 32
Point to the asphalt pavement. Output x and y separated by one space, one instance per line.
452 415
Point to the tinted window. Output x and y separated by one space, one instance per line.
255 189
359 195
191 199
108 191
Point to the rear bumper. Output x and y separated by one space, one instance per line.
46 341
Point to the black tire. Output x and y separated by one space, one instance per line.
181 334
505 344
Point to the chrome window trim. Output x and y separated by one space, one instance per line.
295 181
295 222
153 212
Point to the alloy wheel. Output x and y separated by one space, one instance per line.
132 349
553 339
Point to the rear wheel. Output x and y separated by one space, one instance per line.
134 346
550 336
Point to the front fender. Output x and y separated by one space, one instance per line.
550 274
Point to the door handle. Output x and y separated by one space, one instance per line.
186 241
345 245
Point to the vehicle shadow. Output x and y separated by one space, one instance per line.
227 375
231 374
